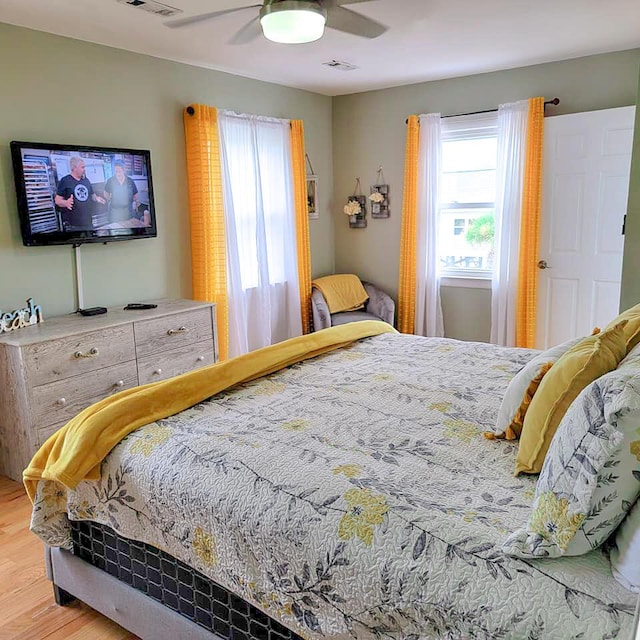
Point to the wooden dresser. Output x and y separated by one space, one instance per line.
51 371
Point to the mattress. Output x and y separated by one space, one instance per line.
174 584
352 496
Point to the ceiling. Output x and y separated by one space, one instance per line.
427 39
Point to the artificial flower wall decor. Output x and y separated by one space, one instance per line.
352 208
379 197
356 208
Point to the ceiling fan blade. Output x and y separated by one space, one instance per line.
248 33
349 21
329 4
183 22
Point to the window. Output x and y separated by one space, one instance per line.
263 289
256 161
467 196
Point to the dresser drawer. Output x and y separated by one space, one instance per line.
67 357
171 332
59 401
174 362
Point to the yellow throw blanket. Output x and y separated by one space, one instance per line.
74 453
342 292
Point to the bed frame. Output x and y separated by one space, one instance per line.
151 593
120 578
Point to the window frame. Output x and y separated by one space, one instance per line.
471 127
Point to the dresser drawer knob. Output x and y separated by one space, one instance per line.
200 358
62 402
173 332
157 372
92 353
120 383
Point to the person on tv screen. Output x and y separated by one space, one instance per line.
122 194
75 197
143 215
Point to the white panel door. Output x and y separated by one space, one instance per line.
587 161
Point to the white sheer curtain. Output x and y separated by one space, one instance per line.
428 307
512 138
264 295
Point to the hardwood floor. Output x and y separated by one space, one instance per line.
27 608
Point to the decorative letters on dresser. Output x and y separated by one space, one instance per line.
50 372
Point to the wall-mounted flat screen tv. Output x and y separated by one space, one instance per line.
75 194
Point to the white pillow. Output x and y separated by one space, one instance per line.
520 383
625 555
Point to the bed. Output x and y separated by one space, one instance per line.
349 496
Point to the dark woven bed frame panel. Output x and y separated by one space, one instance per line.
174 584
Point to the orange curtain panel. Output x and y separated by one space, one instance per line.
302 221
409 233
206 212
527 299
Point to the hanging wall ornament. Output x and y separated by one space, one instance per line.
379 197
312 191
356 208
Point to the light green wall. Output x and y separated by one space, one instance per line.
61 90
631 267
369 130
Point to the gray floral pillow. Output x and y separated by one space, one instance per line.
591 475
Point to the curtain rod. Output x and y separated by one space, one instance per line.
553 101
191 111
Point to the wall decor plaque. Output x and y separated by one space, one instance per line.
312 197
20 318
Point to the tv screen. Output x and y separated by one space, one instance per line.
72 194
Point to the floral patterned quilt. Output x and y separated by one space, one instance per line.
353 496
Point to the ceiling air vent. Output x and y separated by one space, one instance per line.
340 66
150 6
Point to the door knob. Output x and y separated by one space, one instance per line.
542 264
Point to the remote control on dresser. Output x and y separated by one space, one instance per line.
139 306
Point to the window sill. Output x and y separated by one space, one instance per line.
466 282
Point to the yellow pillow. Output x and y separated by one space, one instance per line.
632 330
577 368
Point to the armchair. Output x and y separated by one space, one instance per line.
380 306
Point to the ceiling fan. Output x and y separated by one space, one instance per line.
294 21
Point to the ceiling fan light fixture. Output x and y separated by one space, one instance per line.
293 21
